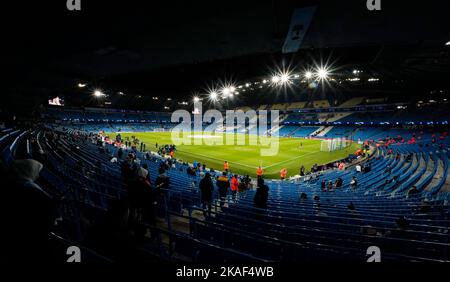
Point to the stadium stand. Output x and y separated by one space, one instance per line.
301 220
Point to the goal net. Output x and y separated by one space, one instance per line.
159 129
334 144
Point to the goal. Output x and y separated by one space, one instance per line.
334 144
159 129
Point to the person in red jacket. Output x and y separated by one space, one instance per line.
259 172
283 173
234 185
226 166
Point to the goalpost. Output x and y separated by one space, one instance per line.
333 144
159 129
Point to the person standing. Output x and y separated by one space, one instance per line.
259 172
223 184
302 170
283 173
226 166
234 186
206 188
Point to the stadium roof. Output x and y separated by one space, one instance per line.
176 48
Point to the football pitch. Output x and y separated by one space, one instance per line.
244 159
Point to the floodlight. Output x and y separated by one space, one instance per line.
284 78
308 74
213 95
98 93
226 91
322 73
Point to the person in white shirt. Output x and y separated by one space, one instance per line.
358 168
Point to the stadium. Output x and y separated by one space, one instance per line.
198 134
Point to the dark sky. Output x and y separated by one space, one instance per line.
184 44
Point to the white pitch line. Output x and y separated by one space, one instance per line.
275 164
220 160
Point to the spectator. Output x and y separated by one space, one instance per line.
206 187
303 196
302 170
261 195
145 203
247 181
120 153
162 181
388 169
354 182
358 168
323 184
28 223
223 184
330 185
145 166
338 182
234 186
413 191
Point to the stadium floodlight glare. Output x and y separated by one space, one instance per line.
264 81
196 99
81 85
98 93
322 73
213 95
226 91
284 78
275 79
447 43
308 74
247 85
232 89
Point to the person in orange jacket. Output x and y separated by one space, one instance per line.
226 166
234 185
259 172
283 173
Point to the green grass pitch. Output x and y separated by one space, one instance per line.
244 159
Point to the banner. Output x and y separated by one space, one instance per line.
300 21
